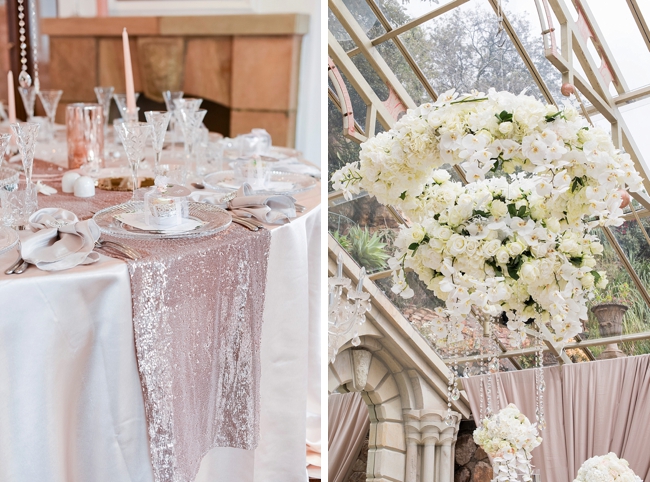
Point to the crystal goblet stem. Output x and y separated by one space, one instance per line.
26 134
134 138
169 96
50 100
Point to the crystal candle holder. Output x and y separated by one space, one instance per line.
254 171
165 206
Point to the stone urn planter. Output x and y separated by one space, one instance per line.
610 323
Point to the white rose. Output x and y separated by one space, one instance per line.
502 255
440 176
442 232
596 248
456 245
602 283
491 247
570 247
529 272
553 225
505 127
515 248
498 209
471 246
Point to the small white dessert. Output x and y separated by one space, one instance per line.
84 187
68 180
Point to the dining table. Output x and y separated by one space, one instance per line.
107 376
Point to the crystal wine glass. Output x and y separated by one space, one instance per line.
134 138
159 120
28 94
50 100
170 96
26 133
4 142
120 100
190 121
104 95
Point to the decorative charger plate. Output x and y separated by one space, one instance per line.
214 219
281 182
8 239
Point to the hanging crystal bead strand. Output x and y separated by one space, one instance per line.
540 384
481 371
34 35
449 421
24 79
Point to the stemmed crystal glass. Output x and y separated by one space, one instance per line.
159 120
104 95
190 121
4 142
26 132
170 96
50 100
134 138
120 100
28 94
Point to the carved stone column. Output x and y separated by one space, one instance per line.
411 460
429 460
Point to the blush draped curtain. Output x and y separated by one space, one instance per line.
348 424
590 409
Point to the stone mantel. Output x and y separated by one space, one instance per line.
270 24
247 63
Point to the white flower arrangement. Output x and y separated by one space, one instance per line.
517 245
606 468
508 438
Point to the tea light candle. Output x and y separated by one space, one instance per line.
68 180
84 187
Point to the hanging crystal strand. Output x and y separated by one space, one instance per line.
540 385
496 369
450 383
481 371
34 35
455 393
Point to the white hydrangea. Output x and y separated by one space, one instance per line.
508 438
606 468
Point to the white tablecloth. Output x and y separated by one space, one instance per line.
71 407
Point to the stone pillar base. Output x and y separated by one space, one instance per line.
611 351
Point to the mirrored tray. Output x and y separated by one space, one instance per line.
8 239
215 219
286 182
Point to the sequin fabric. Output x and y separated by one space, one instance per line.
197 319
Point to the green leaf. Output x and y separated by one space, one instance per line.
403 196
512 210
522 212
596 276
552 117
576 261
414 247
478 212
513 273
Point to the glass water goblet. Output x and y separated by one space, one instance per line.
159 120
4 143
104 96
190 121
170 96
120 100
50 100
134 138
26 133
28 94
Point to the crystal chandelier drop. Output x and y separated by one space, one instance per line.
346 311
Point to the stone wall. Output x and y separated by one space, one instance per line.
472 463
360 465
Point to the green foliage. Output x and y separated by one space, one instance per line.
367 249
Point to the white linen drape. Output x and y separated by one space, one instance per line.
348 424
71 407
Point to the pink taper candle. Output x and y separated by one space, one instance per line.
10 97
128 72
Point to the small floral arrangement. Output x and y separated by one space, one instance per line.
606 468
508 438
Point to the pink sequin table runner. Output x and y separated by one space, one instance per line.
197 319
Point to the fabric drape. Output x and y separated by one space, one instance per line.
590 409
348 425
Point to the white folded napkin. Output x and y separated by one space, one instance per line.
58 240
274 209
270 209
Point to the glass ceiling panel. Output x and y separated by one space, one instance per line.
366 18
624 40
461 50
340 150
398 13
378 85
403 71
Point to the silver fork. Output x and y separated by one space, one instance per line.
125 250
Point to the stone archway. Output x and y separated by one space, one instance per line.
409 441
